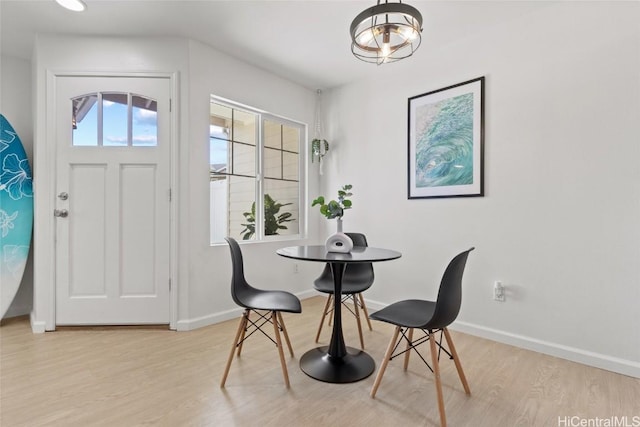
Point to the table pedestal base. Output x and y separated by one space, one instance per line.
354 366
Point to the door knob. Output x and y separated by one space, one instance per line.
63 196
62 213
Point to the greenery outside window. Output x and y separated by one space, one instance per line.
255 174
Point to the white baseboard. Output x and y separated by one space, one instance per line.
211 319
37 327
597 360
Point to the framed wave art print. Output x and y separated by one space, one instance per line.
446 142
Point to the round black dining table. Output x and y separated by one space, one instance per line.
337 363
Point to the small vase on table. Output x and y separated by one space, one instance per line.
339 242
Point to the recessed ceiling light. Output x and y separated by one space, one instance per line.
75 5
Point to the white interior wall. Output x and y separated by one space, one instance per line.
16 106
212 72
559 222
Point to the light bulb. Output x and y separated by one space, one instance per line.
409 33
386 50
365 37
386 42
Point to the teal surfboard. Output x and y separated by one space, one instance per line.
16 213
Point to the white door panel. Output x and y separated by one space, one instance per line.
113 247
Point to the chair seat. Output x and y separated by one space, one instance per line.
412 313
272 301
347 287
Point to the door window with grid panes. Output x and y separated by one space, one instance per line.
255 174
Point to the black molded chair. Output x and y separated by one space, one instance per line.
430 317
267 305
357 279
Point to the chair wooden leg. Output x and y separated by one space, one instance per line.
324 314
274 319
456 360
408 349
285 333
357 313
436 373
385 361
246 314
241 327
364 308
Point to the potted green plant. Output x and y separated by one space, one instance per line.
338 242
335 209
319 148
273 219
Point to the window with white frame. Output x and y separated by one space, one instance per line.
114 119
255 173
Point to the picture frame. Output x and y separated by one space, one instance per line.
446 142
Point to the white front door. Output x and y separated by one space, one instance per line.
112 200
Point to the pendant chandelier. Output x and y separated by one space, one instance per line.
386 32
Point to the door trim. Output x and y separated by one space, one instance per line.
44 223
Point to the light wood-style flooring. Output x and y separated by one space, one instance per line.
150 376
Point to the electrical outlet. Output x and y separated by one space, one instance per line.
498 291
295 267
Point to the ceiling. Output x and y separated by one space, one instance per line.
306 41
